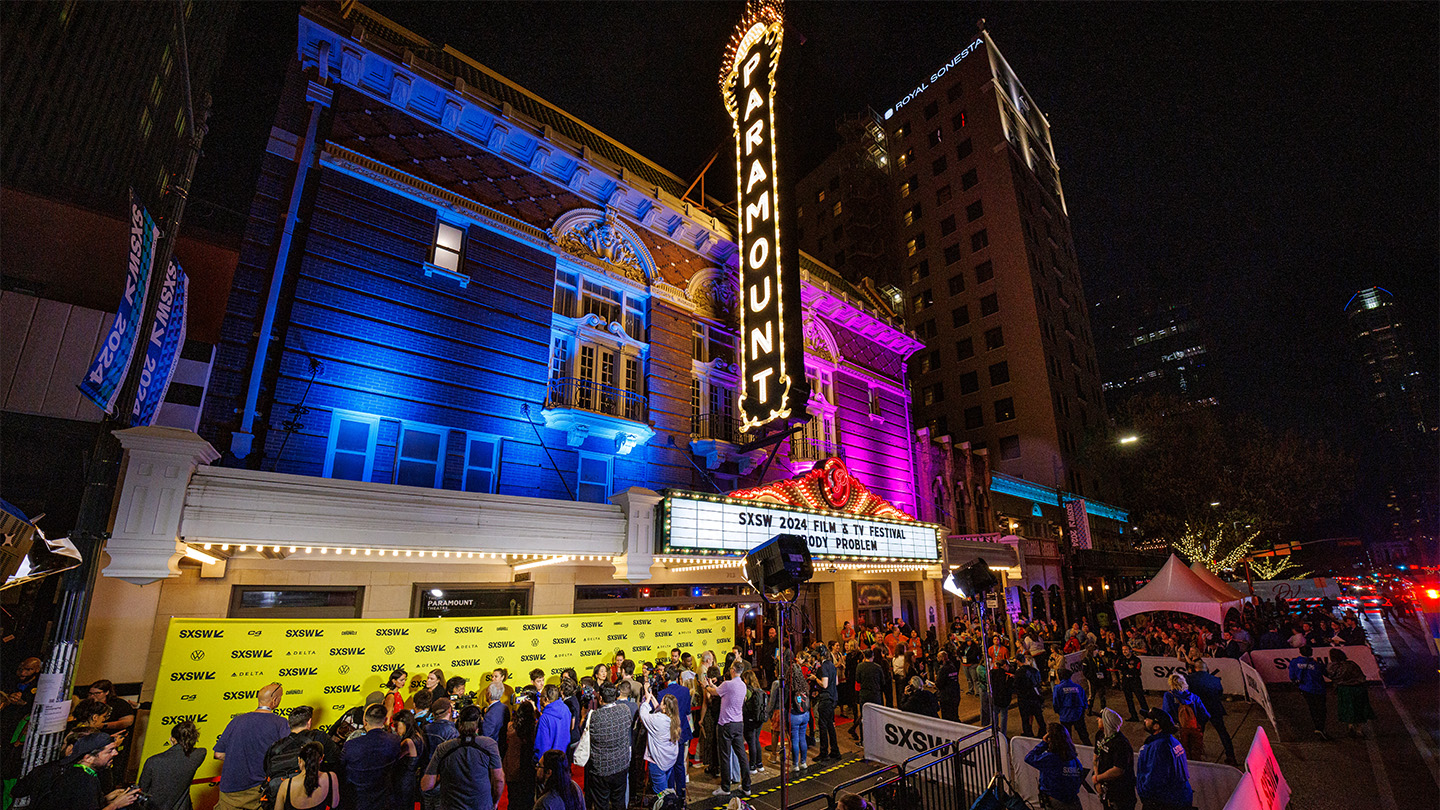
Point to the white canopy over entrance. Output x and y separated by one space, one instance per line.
1179 589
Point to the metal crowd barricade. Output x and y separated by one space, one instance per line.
950 776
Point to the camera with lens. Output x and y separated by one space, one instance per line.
144 800
467 699
587 693
528 694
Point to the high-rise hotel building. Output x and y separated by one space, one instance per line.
987 275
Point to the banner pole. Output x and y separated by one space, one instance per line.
102 474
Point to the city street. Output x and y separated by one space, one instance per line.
1395 766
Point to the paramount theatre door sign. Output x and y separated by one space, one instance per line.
772 362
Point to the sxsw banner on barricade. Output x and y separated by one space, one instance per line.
893 736
1264 786
211 669
103 380
1256 690
162 350
1155 672
1274 665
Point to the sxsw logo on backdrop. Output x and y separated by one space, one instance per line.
527 628
240 695
425 648
304 633
591 653
467 662
342 688
347 650
392 631
592 624
172 719
534 657
617 637
467 628
1162 671
495 645
562 640
684 619
251 654
385 667
202 634
660 634
192 676
295 672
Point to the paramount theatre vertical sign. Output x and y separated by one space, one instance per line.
772 361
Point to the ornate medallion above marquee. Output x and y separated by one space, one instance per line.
602 238
828 486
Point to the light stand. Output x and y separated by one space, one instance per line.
973 581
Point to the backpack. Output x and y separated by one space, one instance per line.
801 703
1188 730
281 762
668 799
752 711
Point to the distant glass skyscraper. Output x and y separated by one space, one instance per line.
1148 348
1403 411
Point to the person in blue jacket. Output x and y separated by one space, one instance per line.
553 730
1309 674
1068 698
1211 692
1162 776
1060 771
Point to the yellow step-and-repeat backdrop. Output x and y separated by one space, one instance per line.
211 669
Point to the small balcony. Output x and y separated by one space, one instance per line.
583 409
716 437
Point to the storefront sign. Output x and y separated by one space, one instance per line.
695 522
468 602
1274 665
211 669
771 357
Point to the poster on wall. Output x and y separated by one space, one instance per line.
212 669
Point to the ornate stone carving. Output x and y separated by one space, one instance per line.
604 240
714 296
819 341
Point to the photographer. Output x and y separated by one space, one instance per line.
553 730
828 695
166 776
661 715
467 770
668 679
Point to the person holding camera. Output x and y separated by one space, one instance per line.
73 782
660 713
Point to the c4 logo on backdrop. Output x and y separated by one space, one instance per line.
211 669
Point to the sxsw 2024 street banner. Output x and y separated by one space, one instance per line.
211 669
103 380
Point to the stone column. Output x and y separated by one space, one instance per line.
640 507
145 545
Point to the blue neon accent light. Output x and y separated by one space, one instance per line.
1039 494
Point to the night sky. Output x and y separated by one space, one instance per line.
1261 160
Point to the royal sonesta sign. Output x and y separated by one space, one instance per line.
771 357
696 522
934 77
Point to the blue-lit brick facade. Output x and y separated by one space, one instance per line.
387 368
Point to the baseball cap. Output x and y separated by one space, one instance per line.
1160 716
88 744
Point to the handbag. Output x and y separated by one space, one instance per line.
582 748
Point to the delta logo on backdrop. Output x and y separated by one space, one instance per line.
211 669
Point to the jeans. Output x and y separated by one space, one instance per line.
752 745
1078 730
1002 719
659 777
1226 743
825 720
732 740
798 748
1099 690
1135 694
678 774
607 791
1034 712
1315 701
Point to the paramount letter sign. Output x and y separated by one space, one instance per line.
771 359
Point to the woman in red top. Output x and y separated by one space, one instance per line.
394 701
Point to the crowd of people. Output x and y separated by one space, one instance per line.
636 727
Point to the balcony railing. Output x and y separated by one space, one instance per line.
588 395
805 448
718 427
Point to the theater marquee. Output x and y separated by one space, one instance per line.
772 354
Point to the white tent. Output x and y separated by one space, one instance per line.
1215 582
1179 589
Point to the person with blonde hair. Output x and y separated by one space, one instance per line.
1188 713
662 747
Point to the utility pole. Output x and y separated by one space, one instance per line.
102 470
